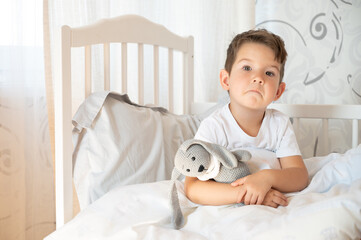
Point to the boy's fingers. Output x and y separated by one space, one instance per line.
238 182
247 199
280 201
254 199
282 198
272 204
241 194
260 200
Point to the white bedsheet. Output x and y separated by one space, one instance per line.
329 208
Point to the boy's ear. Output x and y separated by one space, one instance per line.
224 79
280 91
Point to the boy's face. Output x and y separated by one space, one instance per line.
254 79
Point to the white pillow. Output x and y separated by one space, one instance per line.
117 143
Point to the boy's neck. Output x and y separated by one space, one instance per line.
250 120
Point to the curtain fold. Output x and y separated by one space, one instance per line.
26 168
48 77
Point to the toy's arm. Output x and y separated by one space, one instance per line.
210 192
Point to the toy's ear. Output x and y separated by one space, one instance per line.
242 155
177 219
186 144
220 153
175 174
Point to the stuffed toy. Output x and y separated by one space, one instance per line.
196 158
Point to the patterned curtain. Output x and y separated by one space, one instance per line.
324 64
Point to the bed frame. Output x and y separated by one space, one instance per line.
135 29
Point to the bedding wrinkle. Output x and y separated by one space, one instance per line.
141 211
124 143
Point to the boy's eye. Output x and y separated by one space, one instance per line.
247 68
271 74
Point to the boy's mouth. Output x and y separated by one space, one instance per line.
254 91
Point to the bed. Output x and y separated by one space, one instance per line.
119 151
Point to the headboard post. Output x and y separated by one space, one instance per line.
188 88
63 135
355 135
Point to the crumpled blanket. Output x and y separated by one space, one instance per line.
329 208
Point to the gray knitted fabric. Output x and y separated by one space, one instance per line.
189 159
227 175
193 159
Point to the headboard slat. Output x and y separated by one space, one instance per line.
106 66
170 80
156 74
325 140
188 65
140 74
124 67
88 70
354 133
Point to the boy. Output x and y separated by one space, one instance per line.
252 76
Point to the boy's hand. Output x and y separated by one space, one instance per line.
253 188
274 199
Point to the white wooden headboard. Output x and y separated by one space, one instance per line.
122 30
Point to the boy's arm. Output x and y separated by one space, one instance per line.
215 193
291 178
210 192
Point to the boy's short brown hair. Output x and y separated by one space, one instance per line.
261 36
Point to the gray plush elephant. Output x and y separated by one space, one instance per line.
196 158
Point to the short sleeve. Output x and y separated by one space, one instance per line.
211 130
204 132
288 145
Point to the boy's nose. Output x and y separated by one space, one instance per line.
258 77
258 80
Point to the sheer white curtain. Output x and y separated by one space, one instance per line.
26 168
213 23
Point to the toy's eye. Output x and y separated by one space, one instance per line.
193 158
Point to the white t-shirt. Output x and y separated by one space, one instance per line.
276 133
